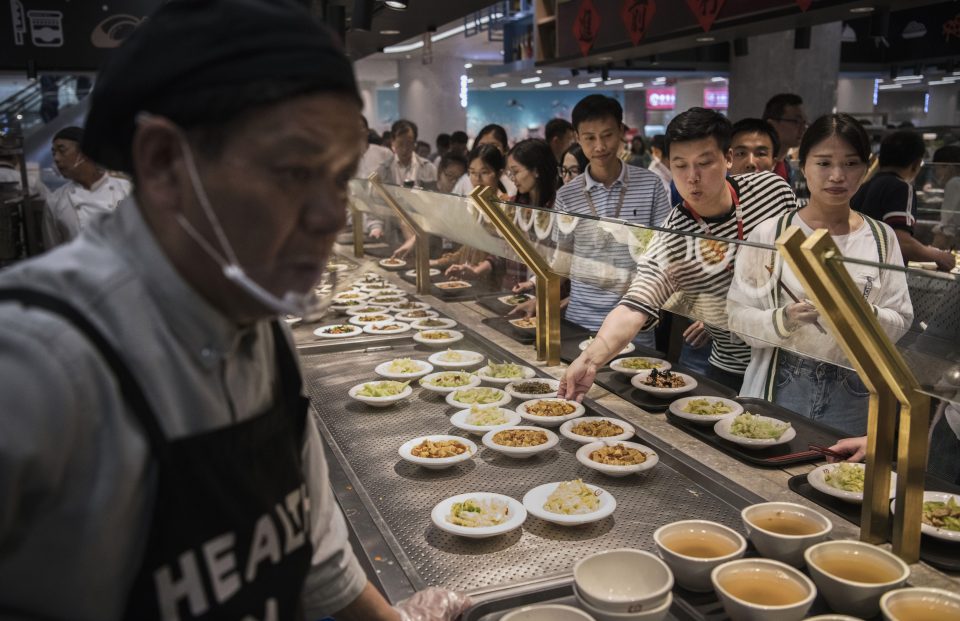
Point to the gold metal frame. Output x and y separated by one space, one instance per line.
548 283
422 248
357 217
816 262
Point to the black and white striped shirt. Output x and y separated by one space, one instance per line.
691 276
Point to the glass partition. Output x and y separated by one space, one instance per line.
938 205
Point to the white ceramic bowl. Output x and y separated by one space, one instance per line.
459 420
525 370
442 509
524 396
566 429
470 359
358 320
346 296
743 610
405 316
547 612
367 309
657 613
437 463
537 497
785 548
818 481
548 421
453 337
693 572
392 264
377 288
344 308
638 379
503 399
847 596
404 307
622 581
379 402
617 365
378 328
939 602
676 408
443 324
383 370
630 347
520 452
413 273
722 429
933 531
583 456
389 300
354 332
425 381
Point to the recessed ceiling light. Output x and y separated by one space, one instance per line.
390 32
606 58
596 79
862 9
705 39
543 85
539 71
529 80
718 79
612 82
467 65
396 5
469 80
498 85
634 85
563 82
396 85
587 85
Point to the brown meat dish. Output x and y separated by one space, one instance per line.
664 379
551 408
597 429
439 449
520 438
618 455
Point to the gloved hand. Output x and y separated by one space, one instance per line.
433 604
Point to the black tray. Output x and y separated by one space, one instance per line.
503 326
492 303
620 385
570 346
808 433
377 249
944 555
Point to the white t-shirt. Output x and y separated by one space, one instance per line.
464 186
372 159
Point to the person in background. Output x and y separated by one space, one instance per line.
754 147
697 146
423 150
158 458
657 166
407 168
572 163
559 135
372 158
443 146
88 193
386 139
639 154
889 196
495 135
10 173
785 113
458 143
946 170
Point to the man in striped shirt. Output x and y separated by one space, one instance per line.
600 268
685 274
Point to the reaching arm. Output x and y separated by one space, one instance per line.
913 250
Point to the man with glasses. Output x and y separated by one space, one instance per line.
786 114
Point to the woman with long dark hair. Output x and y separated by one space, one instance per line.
533 169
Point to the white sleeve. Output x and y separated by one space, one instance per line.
751 312
893 308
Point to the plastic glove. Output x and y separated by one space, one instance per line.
433 604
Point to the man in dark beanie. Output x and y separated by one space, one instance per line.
157 457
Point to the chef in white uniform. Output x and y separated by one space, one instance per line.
89 190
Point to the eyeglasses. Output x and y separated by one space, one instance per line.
797 122
568 172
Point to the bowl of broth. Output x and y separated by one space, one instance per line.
920 604
763 590
692 548
783 530
853 575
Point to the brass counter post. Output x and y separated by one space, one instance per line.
422 248
815 261
548 283
357 217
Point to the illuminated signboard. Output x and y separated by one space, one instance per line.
716 98
661 98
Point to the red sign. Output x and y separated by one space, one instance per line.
586 26
805 5
706 11
636 16
661 98
716 98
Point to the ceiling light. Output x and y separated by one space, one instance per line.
543 85
908 78
529 80
848 35
539 71
440 36
606 58
861 10
887 87
596 79
390 32
498 85
718 79
563 82
396 85
467 65
396 5
469 80
941 82
705 39
612 82
634 85
587 85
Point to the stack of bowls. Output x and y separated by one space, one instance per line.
623 585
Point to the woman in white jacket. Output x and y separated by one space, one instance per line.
795 362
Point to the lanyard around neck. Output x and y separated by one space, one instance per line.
623 193
737 210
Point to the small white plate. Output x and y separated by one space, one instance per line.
320 331
549 421
638 379
520 452
349 296
521 324
933 531
449 285
404 307
446 323
392 264
413 273
626 350
470 359
437 463
442 509
524 396
534 500
527 373
377 328
818 481
566 429
583 456
453 338
506 299
425 382
367 309
379 402
722 429
459 420
676 408
358 320
617 365
344 308
503 399
405 316
383 370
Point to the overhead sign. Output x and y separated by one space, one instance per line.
716 98
706 11
636 16
586 26
661 98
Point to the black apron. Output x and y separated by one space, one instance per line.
229 532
